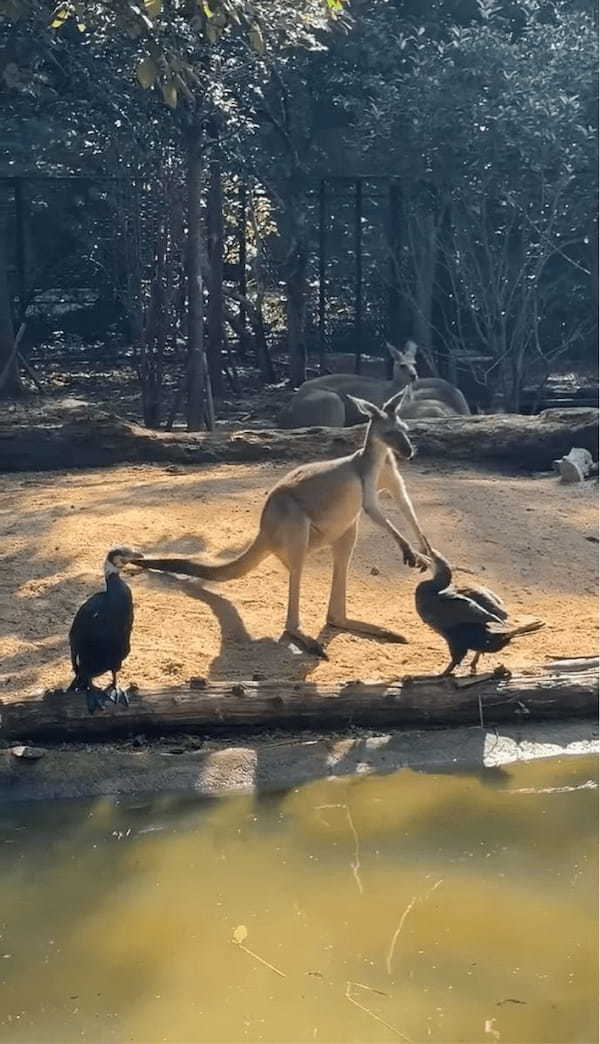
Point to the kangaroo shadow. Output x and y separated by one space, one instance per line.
240 655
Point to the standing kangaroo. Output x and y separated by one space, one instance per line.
328 401
319 505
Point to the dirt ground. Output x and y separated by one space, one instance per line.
528 538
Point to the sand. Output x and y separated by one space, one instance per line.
527 538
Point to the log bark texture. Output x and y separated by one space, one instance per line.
223 706
74 434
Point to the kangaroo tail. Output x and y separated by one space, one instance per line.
238 566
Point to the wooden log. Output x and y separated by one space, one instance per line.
222 706
74 434
575 466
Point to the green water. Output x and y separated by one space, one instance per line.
410 906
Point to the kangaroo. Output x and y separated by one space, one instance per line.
318 505
328 401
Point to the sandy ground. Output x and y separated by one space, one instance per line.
525 537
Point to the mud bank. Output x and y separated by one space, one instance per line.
260 764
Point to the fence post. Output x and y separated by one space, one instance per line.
322 269
394 292
21 263
358 209
243 286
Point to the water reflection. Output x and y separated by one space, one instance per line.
409 906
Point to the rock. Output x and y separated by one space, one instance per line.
27 753
374 571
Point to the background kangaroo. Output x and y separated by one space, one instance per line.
318 505
328 401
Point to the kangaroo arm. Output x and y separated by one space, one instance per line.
373 510
392 480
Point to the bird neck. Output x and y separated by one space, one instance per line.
114 583
442 574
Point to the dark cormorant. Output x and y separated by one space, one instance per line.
469 618
101 631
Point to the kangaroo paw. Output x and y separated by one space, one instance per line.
415 560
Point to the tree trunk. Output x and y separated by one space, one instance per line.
200 410
214 322
9 373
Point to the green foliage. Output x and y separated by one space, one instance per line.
484 111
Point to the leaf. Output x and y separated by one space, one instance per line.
60 15
169 92
213 31
207 10
240 934
153 8
146 73
255 37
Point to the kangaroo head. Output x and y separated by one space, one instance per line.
386 425
405 371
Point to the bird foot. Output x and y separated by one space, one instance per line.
117 695
96 699
502 672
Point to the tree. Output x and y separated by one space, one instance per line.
497 133
194 57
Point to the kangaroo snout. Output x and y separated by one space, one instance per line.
400 444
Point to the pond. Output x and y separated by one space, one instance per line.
412 906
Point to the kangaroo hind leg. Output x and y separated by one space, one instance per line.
336 613
289 530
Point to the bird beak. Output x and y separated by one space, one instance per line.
133 557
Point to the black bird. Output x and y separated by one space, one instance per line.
101 631
469 618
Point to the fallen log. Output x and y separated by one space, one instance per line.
219 706
73 434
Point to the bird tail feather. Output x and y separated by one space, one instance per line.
528 628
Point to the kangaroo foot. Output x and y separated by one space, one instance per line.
310 645
372 630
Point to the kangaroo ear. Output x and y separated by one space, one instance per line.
410 351
394 352
368 408
396 401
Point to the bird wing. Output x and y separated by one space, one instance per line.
83 621
452 608
487 599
